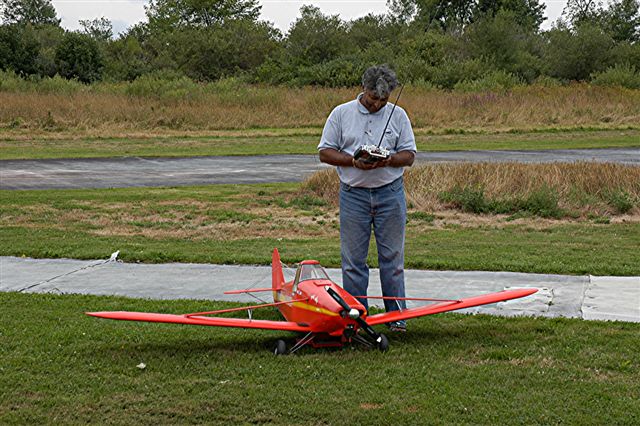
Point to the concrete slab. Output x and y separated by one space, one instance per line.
608 298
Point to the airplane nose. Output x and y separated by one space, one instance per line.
354 313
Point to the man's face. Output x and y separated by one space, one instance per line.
372 102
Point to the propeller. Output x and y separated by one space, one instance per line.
355 315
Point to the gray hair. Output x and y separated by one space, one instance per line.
380 79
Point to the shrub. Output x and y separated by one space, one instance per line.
623 75
343 72
467 199
496 81
57 84
620 200
543 202
164 85
10 82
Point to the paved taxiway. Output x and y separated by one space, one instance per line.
158 171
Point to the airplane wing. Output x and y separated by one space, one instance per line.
202 320
452 305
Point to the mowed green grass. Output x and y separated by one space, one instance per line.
298 141
59 366
227 224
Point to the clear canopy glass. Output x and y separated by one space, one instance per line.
311 272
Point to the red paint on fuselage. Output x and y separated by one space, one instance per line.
318 310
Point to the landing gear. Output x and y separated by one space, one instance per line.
383 344
281 348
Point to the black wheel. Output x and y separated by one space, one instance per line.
281 348
383 344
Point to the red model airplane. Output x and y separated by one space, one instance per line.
316 306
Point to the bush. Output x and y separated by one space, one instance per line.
543 202
10 82
467 199
343 72
620 200
495 81
622 75
164 85
452 71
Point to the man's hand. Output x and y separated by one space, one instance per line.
335 158
401 159
365 165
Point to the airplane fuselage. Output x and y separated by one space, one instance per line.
316 308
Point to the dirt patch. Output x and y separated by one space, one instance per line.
370 406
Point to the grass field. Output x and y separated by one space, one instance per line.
288 141
103 113
60 366
241 225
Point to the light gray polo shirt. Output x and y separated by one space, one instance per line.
350 125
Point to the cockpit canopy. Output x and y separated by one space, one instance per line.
310 270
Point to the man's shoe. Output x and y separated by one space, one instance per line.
397 326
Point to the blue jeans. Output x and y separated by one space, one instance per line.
385 210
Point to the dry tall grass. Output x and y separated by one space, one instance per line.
523 108
583 187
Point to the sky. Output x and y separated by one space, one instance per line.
125 13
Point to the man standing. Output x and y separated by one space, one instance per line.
371 193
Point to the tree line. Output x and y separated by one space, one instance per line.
440 43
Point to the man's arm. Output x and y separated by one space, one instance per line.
400 159
337 158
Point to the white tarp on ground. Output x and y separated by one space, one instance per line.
598 298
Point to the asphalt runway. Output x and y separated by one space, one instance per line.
157 171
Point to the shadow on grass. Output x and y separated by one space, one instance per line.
231 342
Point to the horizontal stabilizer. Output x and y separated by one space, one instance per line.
201 320
437 308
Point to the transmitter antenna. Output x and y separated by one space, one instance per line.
390 115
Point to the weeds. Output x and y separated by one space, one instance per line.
545 190
152 102
421 217
467 199
620 200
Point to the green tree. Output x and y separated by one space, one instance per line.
35 12
579 11
18 49
124 59
211 53
505 45
622 20
528 14
315 38
78 56
575 54
167 14
455 15
49 37
98 28
374 28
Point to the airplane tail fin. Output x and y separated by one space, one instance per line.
277 276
